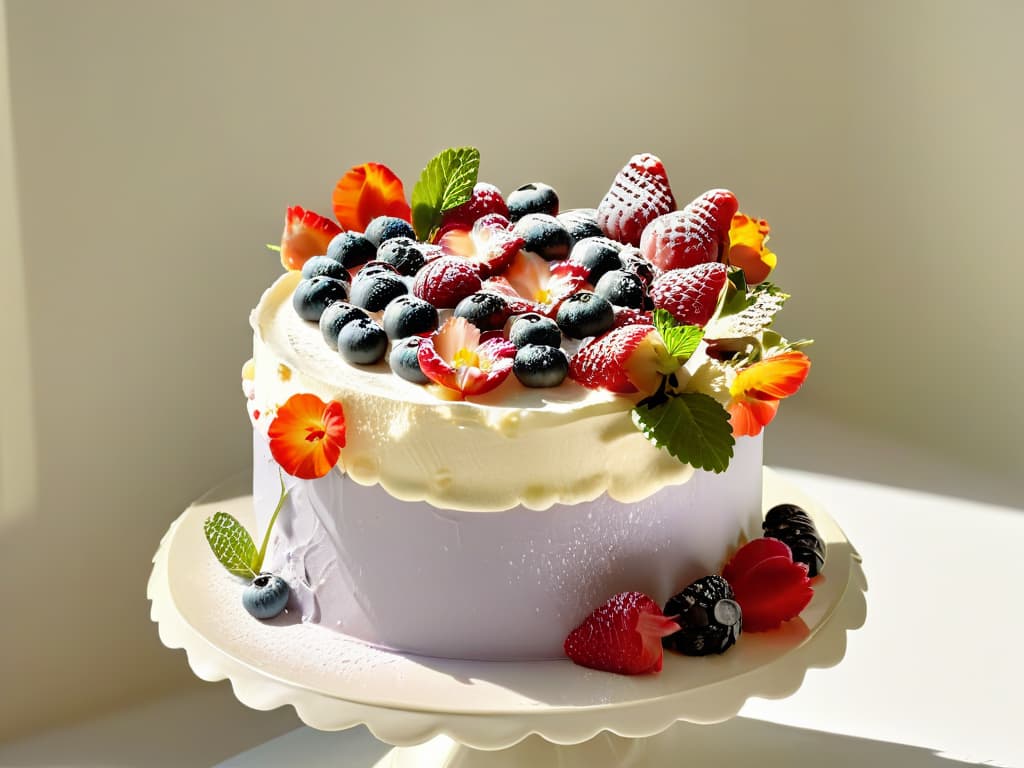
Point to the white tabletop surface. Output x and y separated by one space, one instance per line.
933 678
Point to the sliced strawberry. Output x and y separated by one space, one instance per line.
545 284
639 194
632 358
697 234
446 281
456 358
691 295
768 585
623 636
306 234
486 198
488 246
750 554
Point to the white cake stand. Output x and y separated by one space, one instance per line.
459 712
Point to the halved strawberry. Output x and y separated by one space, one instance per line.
488 246
691 295
639 194
456 358
545 284
630 316
697 234
623 636
631 358
486 198
768 585
306 234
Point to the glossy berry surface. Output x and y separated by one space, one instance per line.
709 617
324 266
485 199
544 236
404 360
404 254
792 525
534 328
266 596
362 342
597 255
376 291
631 260
384 228
538 365
621 288
351 249
487 311
585 314
446 281
580 223
335 317
409 316
622 636
532 198
312 296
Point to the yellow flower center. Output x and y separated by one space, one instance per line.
466 358
543 296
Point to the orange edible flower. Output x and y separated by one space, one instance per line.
747 250
757 389
307 435
366 192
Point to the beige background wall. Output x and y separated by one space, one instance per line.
156 146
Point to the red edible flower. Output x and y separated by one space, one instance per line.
456 358
307 435
366 192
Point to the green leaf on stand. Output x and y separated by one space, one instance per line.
232 544
692 427
445 183
680 340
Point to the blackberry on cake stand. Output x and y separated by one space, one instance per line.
445 712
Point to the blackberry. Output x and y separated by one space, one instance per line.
792 525
709 615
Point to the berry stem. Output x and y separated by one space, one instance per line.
258 564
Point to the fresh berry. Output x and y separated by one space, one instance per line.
362 342
624 360
306 234
409 316
375 291
623 635
384 228
312 296
538 365
621 288
488 245
446 281
495 220
324 266
405 362
375 267
533 328
351 249
585 314
791 524
543 285
629 316
543 235
266 596
597 255
403 253
631 260
581 223
456 357
768 585
335 317
486 198
532 198
639 194
710 618
487 311
697 234
691 295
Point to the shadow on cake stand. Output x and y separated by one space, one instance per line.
442 712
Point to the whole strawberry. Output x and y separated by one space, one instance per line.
697 234
623 636
486 198
446 281
691 295
631 358
639 194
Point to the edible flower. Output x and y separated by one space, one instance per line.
367 191
747 249
307 435
456 358
757 389
545 284
306 234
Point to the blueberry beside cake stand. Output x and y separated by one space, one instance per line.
447 712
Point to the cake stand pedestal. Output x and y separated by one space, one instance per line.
442 712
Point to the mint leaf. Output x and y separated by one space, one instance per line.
445 183
737 299
693 427
680 340
231 543
765 300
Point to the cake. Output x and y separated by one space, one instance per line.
476 419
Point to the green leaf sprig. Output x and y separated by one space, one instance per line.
446 182
234 547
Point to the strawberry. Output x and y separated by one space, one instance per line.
768 585
639 194
444 282
306 234
627 359
697 234
486 244
691 295
629 316
486 198
623 636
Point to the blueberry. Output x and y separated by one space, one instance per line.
376 291
532 198
362 342
791 524
585 314
266 596
709 617
631 260
384 228
409 316
581 223
404 361
487 311
324 266
544 236
337 315
533 328
374 267
538 365
621 288
404 254
351 249
598 255
312 296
